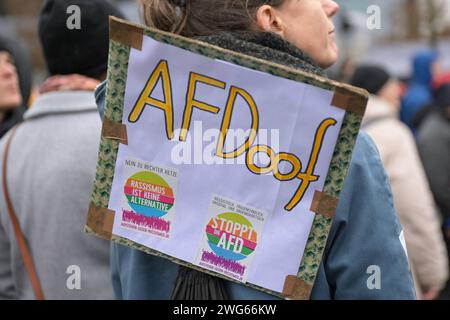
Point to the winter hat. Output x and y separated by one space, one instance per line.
371 78
69 47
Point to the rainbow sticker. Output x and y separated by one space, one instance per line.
149 194
231 236
230 239
148 202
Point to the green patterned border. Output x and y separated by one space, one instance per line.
117 75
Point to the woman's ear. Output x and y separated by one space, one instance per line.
268 20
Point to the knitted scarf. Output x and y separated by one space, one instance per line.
267 46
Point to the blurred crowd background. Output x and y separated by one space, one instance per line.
406 26
402 59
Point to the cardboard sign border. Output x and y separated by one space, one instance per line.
123 37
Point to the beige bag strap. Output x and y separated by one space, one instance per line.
25 252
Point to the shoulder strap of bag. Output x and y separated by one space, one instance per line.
25 252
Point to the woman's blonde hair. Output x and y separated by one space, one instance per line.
192 18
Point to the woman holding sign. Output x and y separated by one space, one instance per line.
365 257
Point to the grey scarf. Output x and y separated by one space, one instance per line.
267 46
191 284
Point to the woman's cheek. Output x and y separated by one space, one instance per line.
325 54
322 49
333 48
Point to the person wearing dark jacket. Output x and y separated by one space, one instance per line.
15 83
434 148
366 230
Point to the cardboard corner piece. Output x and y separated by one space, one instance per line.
125 33
350 99
296 289
115 131
100 220
324 204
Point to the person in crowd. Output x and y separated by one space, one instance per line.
413 199
418 95
434 146
51 164
15 82
365 231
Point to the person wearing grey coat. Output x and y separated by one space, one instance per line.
52 161
51 168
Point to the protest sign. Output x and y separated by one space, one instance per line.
219 161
